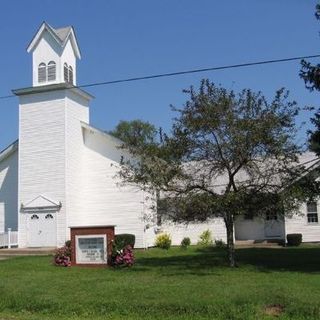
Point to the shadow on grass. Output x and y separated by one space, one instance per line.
204 261
301 259
197 262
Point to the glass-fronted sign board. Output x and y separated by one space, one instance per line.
91 249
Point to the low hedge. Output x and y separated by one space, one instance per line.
294 239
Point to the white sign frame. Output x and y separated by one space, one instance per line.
88 236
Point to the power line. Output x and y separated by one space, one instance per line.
178 73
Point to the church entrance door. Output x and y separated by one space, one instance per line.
42 230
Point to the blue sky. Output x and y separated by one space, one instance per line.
120 39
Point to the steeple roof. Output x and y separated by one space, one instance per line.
60 35
63 33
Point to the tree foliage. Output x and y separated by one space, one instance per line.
135 133
310 73
228 154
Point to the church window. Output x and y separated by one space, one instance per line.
51 71
42 72
70 75
312 212
66 72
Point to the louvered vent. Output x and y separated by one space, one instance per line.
51 71
65 72
42 73
70 75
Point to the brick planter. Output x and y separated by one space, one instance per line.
87 243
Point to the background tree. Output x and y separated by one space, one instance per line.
311 75
135 133
227 155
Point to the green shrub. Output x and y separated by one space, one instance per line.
123 240
68 244
220 243
163 241
185 242
205 238
294 239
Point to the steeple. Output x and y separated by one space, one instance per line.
54 55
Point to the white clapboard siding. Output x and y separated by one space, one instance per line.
42 151
178 231
298 223
76 111
2 214
105 201
9 191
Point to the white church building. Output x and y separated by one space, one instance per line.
61 172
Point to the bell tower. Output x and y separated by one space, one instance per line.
54 56
51 113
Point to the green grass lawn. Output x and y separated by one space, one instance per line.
175 284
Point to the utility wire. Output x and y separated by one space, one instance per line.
178 73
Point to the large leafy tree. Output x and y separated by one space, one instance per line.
227 155
310 73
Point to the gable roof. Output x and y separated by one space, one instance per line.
60 35
63 33
41 202
9 150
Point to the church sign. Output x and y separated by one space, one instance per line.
91 249
91 246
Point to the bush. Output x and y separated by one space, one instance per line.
68 243
163 241
62 256
294 239
185 242
220 243
205 238
124 239
123 257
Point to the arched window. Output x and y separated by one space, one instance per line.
51 71
66 72
34 217
42 72
70 75
49 216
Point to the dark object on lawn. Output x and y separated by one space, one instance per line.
220 244
185 242
294 239
124 239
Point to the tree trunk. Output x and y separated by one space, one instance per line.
229 222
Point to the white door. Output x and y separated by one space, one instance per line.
273 226
42 230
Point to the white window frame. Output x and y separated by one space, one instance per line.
314 214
